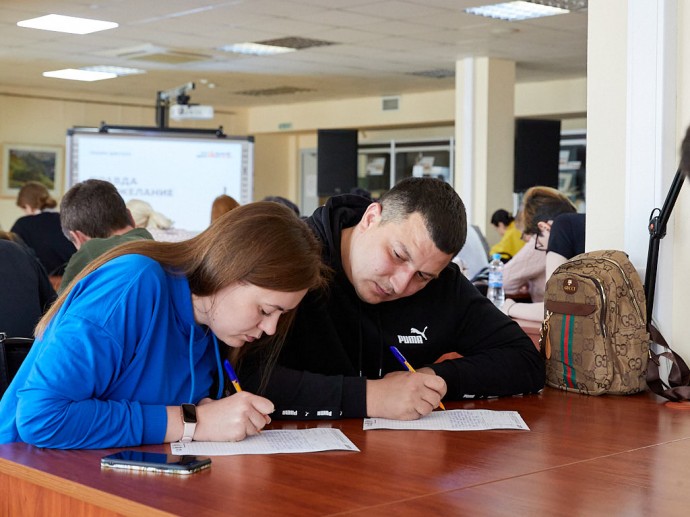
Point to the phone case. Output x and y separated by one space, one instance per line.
155 462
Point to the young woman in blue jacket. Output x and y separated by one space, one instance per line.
136 334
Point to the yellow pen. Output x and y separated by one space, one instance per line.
232 375
407 365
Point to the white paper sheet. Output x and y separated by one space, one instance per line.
454 420
272 442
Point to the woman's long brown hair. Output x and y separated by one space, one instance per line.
264 244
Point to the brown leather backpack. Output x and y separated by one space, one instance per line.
594 334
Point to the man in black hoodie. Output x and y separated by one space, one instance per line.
394 284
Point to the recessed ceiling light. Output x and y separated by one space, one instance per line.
59 23
79 75
117 70
256 49
513 11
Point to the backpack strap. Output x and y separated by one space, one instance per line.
678 387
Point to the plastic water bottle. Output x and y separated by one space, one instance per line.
495 291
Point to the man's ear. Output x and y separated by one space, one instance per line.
130 217
371 215
78 238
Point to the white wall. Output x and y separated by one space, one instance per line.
638 86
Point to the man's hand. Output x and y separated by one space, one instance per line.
405 395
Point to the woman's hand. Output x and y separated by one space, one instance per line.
230 419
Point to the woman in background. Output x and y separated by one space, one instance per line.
511 238
159 226
284 201
136 335
146 217
525 273
551 221
221 205
40 228
26 290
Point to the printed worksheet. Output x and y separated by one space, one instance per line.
272 442
454 420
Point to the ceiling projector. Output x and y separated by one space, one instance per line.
191 112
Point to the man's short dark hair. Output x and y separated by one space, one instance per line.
436 201
95 208
501 216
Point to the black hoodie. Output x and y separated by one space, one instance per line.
338 341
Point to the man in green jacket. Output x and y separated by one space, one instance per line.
95 218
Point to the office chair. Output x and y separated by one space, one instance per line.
13 351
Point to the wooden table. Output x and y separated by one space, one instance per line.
583 456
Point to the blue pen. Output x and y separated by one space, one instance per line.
232 375
407 365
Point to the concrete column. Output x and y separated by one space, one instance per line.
484 133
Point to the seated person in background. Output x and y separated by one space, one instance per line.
551 221
13 237
146 217
511 238
472 257
158 225
40 228
25 291
284 201
525 274
95 219
134 336
221 205
394 284
358 191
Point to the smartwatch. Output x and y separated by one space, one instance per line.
189 422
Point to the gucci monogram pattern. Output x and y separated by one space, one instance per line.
595 326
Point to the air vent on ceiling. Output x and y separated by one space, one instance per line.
280 90
158 54
390 103
296 42
438 73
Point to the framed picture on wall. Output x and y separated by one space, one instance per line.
22 163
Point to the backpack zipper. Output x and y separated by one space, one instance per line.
604 305
630 288
544 340
627 283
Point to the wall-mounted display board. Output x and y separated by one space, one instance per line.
178 173
381 166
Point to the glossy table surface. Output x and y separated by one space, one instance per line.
583 456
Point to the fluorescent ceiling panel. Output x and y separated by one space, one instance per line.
70 24
79 75
515 11
255 49
117 70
